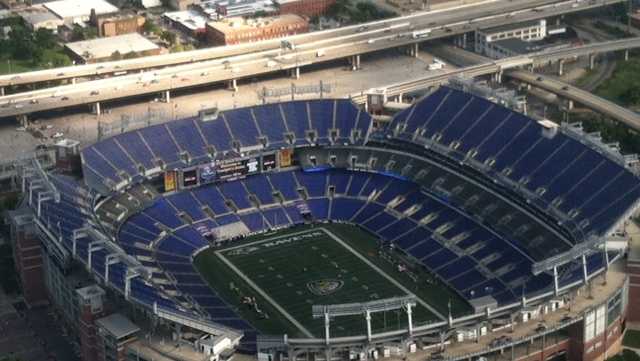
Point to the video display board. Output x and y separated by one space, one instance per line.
269 162
286 157
221 171
190 178
170 183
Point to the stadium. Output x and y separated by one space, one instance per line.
309 229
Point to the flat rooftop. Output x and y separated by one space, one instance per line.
237 23
523 47
118 325
79 8
507 27
37 14
104 47
190 19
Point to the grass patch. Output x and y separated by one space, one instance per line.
622 87
15 66
287 271
626 355
631 339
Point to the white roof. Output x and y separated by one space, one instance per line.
191 19
38 14
151 3
103 47
79 8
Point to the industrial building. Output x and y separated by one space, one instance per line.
79 11
234 8
239 30
38 17
187 21
485 39
102 49
118 24
304 7
517 39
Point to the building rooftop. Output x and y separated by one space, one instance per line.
37 14
151 3
104 47
118 325
90 291
190 19
237 23
79 8
520 46
118 16
507 27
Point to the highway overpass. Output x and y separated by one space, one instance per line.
574 94
442 23
189 75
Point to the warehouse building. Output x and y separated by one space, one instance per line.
104 49
239 30
79 11
38 17
118 24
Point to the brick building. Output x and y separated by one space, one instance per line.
27 252
238 30
304 7
91 309
118 24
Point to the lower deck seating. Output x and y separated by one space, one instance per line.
465 254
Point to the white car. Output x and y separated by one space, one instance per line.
57 135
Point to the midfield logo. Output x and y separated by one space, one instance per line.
324 287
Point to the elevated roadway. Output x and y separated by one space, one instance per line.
443 23
601 105
587 49
164 80
484 67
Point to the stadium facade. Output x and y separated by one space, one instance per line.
508 213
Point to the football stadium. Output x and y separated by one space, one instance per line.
308 229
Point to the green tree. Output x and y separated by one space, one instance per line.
116 55
130 55
45 38
169 37
80 33
22 45
150 26
339 8
177 48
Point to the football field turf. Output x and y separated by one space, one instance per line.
288 272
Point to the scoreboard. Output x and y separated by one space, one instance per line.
229 170
225 170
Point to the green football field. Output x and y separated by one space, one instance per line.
287 272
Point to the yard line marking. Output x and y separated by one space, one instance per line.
264 294
382 273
